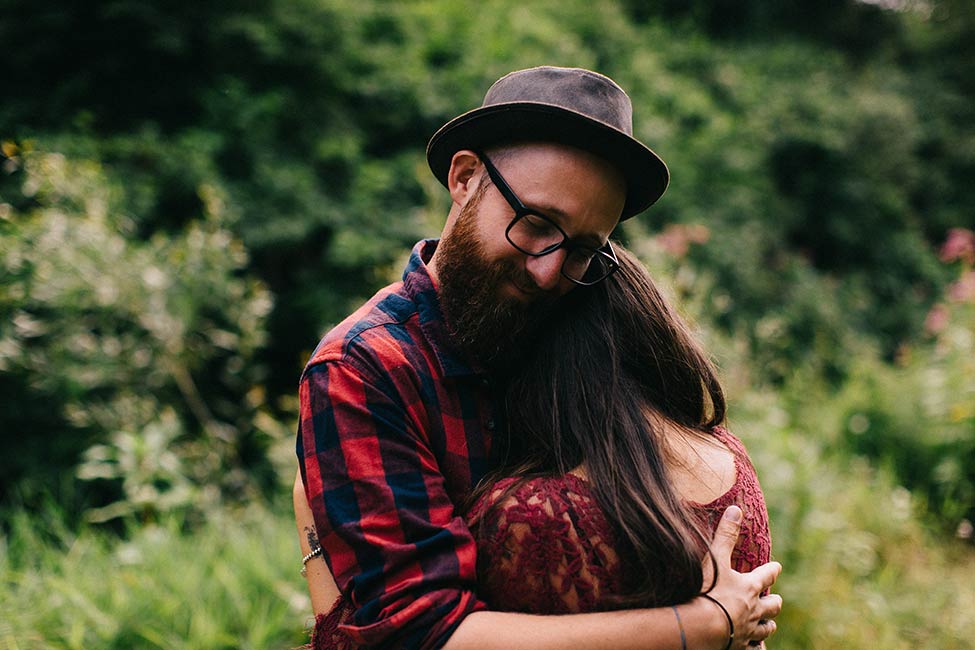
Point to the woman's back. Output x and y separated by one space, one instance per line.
545 546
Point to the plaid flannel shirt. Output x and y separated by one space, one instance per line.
395 432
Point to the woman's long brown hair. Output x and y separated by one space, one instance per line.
613 370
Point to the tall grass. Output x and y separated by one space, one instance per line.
230 583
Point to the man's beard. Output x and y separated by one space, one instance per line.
494 329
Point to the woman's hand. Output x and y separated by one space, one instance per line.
741 593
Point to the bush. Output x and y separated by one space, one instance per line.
918 416
108 336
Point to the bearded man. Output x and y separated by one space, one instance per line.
401 401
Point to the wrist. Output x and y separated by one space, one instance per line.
727 618
705 625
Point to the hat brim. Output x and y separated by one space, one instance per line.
645 173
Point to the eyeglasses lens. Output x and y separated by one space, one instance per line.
535 235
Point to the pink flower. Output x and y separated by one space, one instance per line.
963 290
936 320
960 245
677 238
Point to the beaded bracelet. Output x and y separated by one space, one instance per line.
731 625
304 560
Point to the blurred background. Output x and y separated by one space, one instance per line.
192 192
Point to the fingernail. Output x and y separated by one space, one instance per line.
734 513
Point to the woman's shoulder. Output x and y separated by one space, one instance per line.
745 474
730 440
754 542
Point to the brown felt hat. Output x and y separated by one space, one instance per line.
570 106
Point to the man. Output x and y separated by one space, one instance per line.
399 402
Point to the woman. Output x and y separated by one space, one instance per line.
616 459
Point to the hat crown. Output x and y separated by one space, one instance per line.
580 91
570 106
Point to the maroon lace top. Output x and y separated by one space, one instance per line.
548 549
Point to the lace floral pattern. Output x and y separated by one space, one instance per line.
546 548
327 635
754 547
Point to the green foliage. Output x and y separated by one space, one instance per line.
117 336
777 121
809 202
860 571
914 418
918 417
232 584
858 28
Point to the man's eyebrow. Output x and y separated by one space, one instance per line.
560 217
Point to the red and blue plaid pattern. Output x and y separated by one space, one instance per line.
394 434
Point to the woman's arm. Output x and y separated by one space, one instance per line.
646 629
321 587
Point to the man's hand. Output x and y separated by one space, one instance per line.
741 593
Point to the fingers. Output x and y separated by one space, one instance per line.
726 534
767 574
760 633
764 630
771 606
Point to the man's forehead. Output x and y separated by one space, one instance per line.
581 192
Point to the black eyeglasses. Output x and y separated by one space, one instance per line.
536 235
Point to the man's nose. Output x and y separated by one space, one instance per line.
546 271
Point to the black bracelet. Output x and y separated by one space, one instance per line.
731 625
680 626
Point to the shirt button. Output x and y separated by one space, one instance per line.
490 425
485 382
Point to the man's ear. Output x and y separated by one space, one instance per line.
464 176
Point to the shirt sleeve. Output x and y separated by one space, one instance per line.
390 534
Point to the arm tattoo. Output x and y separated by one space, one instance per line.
313 544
